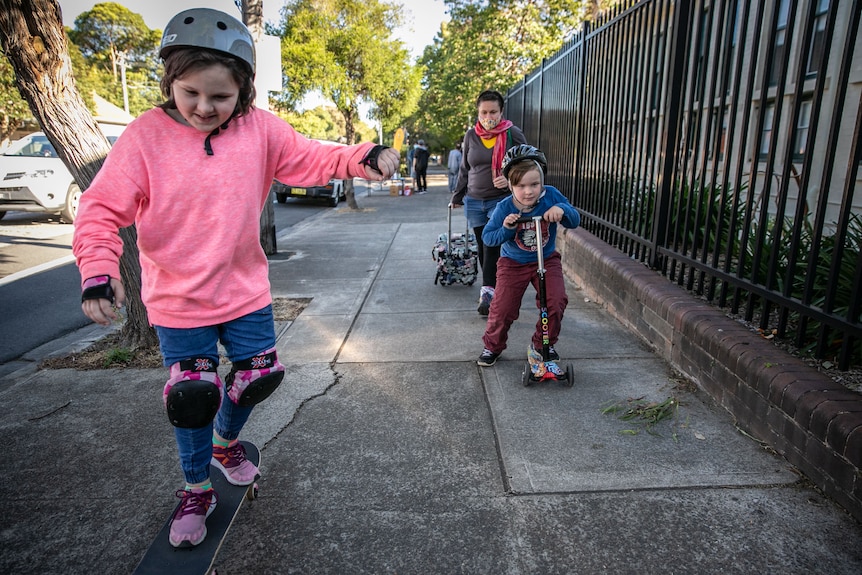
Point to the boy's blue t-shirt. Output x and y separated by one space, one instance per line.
521 243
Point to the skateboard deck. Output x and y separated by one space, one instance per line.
162 557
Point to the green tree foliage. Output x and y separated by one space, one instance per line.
487 45
14 110
325 123
345 50
99 38
109 30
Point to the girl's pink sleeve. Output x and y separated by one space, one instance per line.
305 162
110 203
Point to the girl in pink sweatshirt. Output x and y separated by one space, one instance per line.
193 175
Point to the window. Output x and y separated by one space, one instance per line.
780 41
818 38
766 135
802 129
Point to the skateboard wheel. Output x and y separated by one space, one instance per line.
252 492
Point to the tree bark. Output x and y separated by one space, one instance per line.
34 41
252 17
349 195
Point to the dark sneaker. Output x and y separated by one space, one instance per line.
485 297
535 354
488 358
188 525
232 462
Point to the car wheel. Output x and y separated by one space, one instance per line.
333 200
280 198
73 198
2 215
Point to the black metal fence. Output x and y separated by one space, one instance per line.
719 143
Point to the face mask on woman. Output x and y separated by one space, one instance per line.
489 123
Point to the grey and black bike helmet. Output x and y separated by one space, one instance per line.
521 153
208 28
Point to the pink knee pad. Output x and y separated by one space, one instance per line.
252 380
194 392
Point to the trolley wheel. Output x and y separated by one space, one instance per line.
252 492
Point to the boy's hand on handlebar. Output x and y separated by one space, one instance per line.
555 214
511 221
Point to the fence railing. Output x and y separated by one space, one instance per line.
718 142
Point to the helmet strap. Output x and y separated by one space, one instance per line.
207 144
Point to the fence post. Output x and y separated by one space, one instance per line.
578 106
670 130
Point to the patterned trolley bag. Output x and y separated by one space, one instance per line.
457 256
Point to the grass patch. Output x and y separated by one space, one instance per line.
646 414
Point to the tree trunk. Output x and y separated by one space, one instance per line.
252 17
350 136
34 41
349 196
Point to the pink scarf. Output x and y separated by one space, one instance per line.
498 131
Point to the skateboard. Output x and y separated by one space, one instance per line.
162 557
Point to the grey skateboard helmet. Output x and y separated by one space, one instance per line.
208 28
523 152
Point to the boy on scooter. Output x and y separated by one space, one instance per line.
524 167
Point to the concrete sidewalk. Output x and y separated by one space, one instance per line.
387 450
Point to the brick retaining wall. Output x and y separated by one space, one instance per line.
814 422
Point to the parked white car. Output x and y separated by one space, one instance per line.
35 179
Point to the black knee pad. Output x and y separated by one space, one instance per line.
193 394
252 380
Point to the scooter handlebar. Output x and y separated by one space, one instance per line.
525 219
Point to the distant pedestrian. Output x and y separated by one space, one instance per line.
481 184
180 173
410 155
453 166
420 166
524 166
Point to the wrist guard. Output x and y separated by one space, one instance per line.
370 159
98 287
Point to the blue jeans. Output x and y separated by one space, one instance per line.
242 338
453 182
478 212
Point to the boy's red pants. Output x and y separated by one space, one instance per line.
512 281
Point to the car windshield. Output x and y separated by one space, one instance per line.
33 147
38 146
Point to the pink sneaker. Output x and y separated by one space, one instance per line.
231 461
188 525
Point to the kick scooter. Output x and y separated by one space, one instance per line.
542 368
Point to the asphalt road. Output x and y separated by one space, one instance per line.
39 283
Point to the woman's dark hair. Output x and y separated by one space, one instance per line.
490 96
182 61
